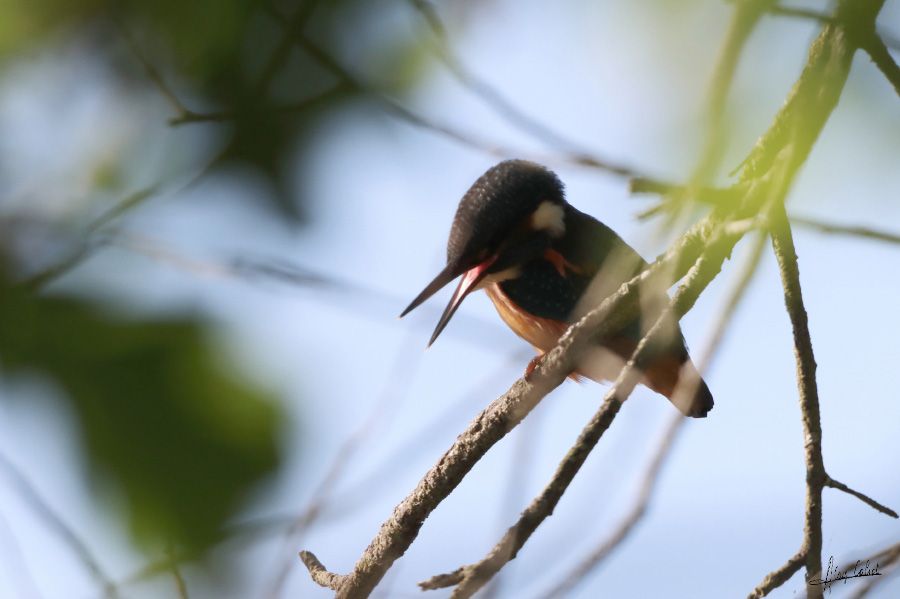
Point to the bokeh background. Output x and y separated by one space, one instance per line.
211 213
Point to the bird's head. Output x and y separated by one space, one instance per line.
508 217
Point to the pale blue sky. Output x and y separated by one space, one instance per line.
628 81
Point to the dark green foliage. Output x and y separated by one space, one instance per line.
164 425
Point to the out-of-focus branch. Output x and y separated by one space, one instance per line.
282 51
181 111
310 103
407 115
58 526
864 34
502 105
888 563
863 232
180 583
822 17
744 20
89 241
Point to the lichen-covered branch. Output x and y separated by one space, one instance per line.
783 244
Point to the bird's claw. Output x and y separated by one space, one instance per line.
532 365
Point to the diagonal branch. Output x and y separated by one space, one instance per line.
651 475
499 102
471 578
400 530
780 575
835 484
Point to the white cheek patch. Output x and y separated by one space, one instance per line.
549 217
504 275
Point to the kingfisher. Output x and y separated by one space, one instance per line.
544 264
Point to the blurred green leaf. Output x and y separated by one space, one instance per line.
180 438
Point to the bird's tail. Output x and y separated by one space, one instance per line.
681 384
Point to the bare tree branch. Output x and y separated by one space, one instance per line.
834 484
396 386
623 530
502 105
398 532
797 125
878 52
474 576
864 34
783 244
779 576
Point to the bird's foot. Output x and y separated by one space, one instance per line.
535 361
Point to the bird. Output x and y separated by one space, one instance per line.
544 264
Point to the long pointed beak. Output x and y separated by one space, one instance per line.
450 272
467 284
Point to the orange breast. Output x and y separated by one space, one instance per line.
542 333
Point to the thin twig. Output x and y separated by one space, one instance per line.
863 232
502 105
779 576
834 484
282 50
396 386
152 72
888 564
89 241
180 584
613 540
407 115
58 526
322 98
